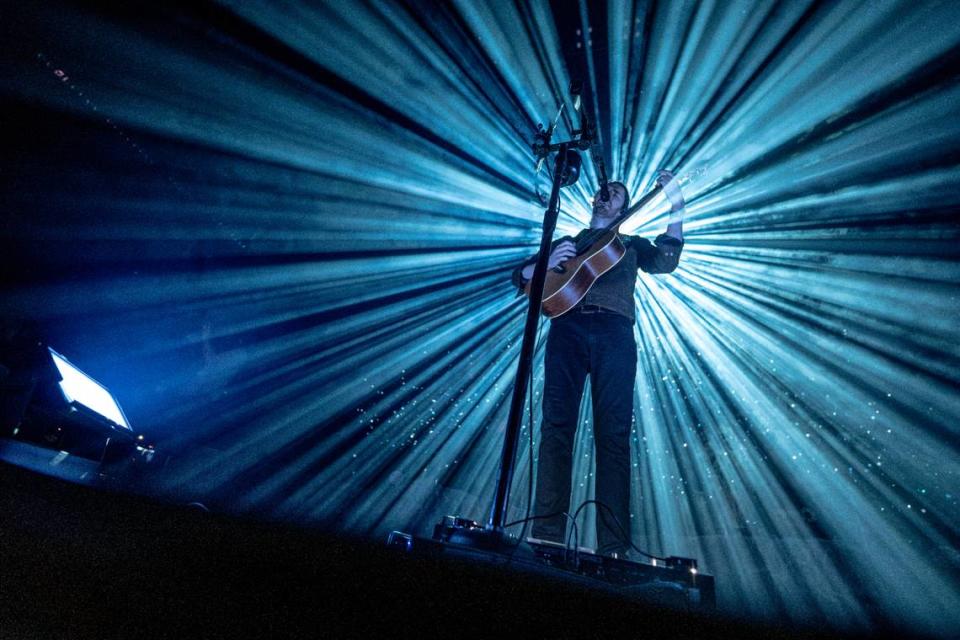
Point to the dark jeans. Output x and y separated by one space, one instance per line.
601 344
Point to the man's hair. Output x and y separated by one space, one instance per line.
626 196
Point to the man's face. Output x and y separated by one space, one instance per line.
605 212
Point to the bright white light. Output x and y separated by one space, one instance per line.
81 388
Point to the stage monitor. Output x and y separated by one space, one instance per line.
79 388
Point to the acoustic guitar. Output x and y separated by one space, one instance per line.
598 251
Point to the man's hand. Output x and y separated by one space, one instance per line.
560 254
563 252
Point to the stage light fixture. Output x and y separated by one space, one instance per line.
86 394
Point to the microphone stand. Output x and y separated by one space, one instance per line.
566 171
515 417
584 138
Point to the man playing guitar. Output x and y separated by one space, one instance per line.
595 337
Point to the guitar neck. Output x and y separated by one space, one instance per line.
639 204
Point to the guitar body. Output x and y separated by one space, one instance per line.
562 291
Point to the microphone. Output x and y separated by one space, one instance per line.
604 191
597 156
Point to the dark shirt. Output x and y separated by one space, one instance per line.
614 289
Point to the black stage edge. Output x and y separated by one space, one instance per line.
81 562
